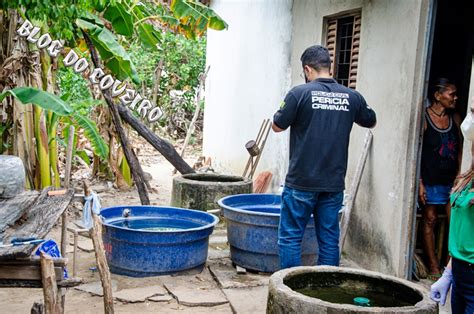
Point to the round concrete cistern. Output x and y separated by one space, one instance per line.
329 289
201 191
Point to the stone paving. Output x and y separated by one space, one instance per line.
217 288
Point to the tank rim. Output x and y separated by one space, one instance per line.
277 281
215 220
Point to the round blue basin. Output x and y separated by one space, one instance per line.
252 230
142 241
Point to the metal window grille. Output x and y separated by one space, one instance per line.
342 41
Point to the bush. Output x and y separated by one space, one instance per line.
183 60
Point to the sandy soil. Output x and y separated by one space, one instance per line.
20 300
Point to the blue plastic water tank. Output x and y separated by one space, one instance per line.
143 241
252 230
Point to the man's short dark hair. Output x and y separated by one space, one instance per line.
316 57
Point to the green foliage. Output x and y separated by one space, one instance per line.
72 86
183 60
92 134
58 14
194 18
38 97
129 18
113 54
121 20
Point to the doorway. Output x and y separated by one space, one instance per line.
451 57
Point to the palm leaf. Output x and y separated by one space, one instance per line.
92 134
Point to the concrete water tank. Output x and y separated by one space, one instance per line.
201 191
328 289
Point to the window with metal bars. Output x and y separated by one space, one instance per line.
342 41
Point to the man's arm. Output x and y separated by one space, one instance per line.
365 116
276 129
286 115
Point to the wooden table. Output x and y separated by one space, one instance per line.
32 214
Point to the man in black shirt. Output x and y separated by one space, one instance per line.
320 113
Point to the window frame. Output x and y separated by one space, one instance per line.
330 33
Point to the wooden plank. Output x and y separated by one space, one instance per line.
12 209
52 299
39 220
354 188
33 261
262 182
102 266
15 283
67 181
21 272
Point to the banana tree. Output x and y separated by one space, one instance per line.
60 111
109 22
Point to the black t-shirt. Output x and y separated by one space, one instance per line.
321 114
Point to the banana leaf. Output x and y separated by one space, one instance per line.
114 55
196 15
43 99
92 134
121 20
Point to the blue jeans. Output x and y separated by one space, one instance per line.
296 209
462 295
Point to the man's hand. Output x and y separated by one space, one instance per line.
276 129
439 290
422 193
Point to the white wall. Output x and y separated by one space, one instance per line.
248 79
255 63
390 74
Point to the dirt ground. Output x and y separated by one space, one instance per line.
20 300
217 289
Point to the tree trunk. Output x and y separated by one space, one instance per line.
164 147
14 73
137 171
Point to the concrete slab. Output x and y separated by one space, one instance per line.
252 300
161 298
85 245
139 294
217 253
201 279
197 290
195 296
227 277
181 309
95 287
218 239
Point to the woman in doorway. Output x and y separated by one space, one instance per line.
440 161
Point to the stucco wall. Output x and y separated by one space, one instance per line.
248 78
390 73
256 62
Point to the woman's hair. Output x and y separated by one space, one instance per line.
463 180
439 85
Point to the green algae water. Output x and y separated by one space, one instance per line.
346 295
